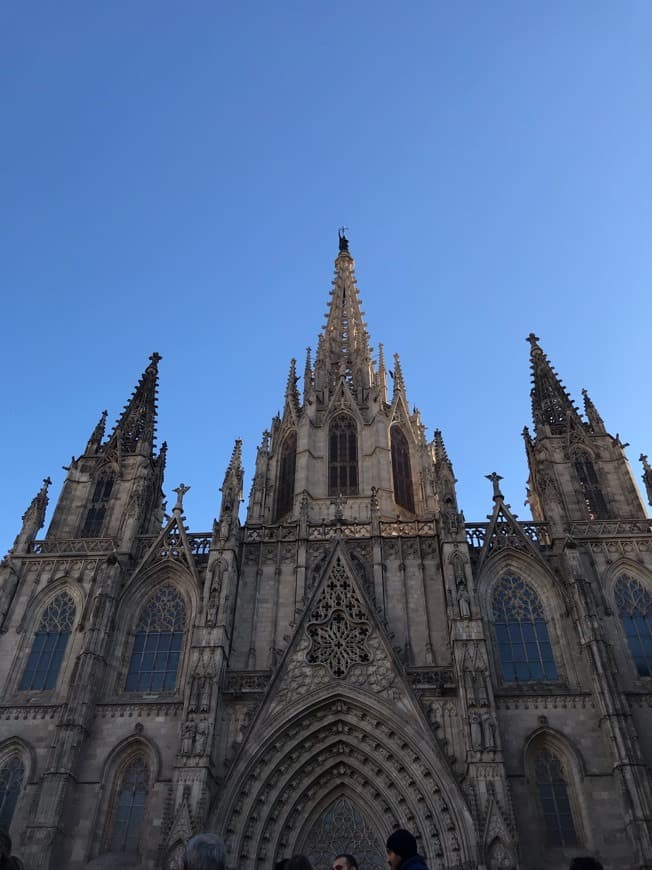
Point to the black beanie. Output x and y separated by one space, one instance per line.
402 843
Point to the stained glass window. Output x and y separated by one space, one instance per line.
596 506
95 517
342 829
49 644
521 632
129 807
343 456
634 603
285 495
401 472
12 774
553 794
158 643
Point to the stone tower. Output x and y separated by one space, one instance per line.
354 658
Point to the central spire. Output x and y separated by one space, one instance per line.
343 351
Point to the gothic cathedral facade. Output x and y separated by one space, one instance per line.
354 658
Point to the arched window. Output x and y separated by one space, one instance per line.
285 496
401 472
12 774
521 632
94 521
129 806
49 644
343 456
158 643
596 506
634 604
552 788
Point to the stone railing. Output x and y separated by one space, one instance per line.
538 533
76 546
610 528
200 544
437 680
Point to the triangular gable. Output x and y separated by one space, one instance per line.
182 826
503 533
338 642
343 399
170 545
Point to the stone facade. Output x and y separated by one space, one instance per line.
354 658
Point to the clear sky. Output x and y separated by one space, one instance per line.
173 176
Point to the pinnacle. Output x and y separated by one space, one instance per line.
135 430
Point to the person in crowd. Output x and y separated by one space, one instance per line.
345 862
585 862
298 862
402 852
282 864
203 852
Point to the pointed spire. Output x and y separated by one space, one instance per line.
231 494
97 434
399 381
441 454
307 376
33 519
592 415
381 376
343 349
647 477
135 430
552 407
291 391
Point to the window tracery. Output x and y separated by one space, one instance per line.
338 628
521 632
342 829
129 806
49 645
12 774
401 470
343 456
552 788
594 500
285 496
94 521
158 643
634 603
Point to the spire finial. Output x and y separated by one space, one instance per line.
343 241
136 427
552 408
495 478
181 490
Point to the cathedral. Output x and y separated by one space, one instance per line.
353 658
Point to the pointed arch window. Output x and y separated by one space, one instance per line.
552 788
401 470
129 806
49 645
12 774
158 643
596 506
287 466
521 632
343 456
94 521
634 603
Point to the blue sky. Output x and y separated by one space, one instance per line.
173 176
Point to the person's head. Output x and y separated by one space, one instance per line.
298 862
204 852
282 864
585 862
401 845
345 862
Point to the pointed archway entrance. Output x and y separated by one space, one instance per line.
342 827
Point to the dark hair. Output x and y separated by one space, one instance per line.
282 864
350 860
298 862
402 843
585 862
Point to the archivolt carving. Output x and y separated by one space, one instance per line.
342 746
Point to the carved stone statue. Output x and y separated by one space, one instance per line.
188 738
205 698
193 706
463 602
480 684
202 737
476 731
489 732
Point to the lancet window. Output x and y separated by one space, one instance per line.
521 632
287 466
343 456
634 603
401 471
12 774
158 643
552 787
129 806
49 645
94 521
596 506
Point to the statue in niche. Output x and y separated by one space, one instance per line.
480 689
476 731
469 685
188 738
489 732
202 737
463 602
193 706
213 606
205 697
